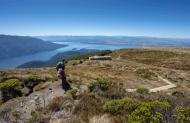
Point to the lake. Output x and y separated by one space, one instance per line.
13 62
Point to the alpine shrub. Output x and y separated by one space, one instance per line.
73 93
183 114
150 113
34 78
10 89
99 85
178 93
142 90
16 113
114 106
103 84
11 83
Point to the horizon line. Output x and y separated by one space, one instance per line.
99 35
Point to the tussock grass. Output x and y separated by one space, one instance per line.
11 100
165 57
135 70
100 119
41 85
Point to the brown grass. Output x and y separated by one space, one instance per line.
171 63
159 60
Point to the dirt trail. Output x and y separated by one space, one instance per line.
27 104
169 86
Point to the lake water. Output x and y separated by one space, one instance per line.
13 62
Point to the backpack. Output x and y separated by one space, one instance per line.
59 73
59 65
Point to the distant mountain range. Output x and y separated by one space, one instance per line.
21 45
122 40
56 58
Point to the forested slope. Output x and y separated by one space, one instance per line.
21 45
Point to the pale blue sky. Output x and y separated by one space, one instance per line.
156 18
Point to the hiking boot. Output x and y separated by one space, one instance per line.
65 91
70 88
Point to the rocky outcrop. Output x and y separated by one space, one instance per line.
38 99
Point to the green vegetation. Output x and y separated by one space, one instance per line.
5 110
34 78
3 73
142 90
103 84
10 89
144 72
117 106
16 113
106 99
56 58
33 113
183 114
178 93
155 69
149 113
35 82
73 93
86 56
41 85
5 78
12 84
38 115
99 85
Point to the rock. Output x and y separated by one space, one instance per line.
21 104
69 105
77 94
36 98
174 80
50 89
32 101
43 87
24 89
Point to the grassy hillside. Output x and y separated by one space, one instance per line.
106 99
54 59
21 45
176 58
86 56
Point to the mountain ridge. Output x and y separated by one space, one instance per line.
21 45
144 41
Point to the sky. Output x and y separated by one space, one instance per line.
154 18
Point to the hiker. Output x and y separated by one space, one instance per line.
65 84
60 64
